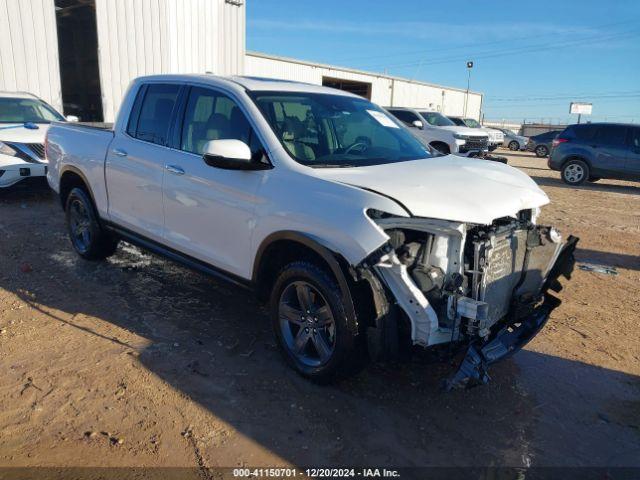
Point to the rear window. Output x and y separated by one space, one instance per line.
580 132
155 106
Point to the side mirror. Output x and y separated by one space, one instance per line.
230 155
417 124
72 118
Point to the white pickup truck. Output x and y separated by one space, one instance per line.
442 134
328 207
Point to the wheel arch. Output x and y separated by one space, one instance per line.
281 248
575 156
70 178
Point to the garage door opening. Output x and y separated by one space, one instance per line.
78 53
358 88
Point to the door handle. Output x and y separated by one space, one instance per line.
119 152
174 169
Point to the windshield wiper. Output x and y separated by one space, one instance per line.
333 165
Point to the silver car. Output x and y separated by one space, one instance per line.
513 141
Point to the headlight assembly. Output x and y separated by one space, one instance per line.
7 150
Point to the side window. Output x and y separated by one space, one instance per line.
214 116
582 132
404 116
634 137
155 113
611 135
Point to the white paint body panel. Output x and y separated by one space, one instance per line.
450 187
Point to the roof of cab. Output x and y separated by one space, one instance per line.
254 84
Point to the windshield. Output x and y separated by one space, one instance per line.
457 121
436 119
471 123
323 130
23 110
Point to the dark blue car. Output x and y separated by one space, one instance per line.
589 152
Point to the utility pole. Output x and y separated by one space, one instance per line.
466 97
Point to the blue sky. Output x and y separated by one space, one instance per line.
531 58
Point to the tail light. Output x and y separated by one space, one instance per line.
558 141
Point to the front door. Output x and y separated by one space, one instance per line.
209 212
135 162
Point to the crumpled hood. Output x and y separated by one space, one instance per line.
448 188
17 133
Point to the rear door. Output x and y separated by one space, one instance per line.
609 150
632 164
135 161
209 211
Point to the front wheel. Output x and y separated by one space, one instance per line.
514 146
310 322
87 236
575 172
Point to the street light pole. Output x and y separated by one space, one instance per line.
466 97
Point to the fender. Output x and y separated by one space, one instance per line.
77 171
333 260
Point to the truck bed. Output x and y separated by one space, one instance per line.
79 148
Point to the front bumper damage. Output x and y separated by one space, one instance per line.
482 288
516 333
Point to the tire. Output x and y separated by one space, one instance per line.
541 151
87 236
575 172
443 148
514 146
310 323
492 148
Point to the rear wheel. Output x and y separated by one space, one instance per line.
541 151
87 236
575 172
514 146
310 322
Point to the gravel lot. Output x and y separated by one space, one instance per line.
138 362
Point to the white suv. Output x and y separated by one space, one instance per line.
327 207
442 134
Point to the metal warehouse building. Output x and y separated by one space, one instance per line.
80 55
382 89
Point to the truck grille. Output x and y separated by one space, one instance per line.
37 149
474 143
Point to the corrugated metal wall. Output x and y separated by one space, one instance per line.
143 37
385 90
29 49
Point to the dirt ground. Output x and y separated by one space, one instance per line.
139 362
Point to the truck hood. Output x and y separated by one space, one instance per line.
472 132
19 134
448 188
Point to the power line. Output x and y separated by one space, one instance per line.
475 44
515 51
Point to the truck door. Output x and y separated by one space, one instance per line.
135 161
209 212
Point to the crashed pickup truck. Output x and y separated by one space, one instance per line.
327 207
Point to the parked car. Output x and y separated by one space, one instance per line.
541 144
513 141
441 133
327 207
589 152
24 120
496 137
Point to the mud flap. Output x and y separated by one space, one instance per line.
474 367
